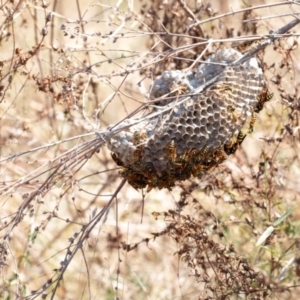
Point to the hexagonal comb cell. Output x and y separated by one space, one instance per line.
195 134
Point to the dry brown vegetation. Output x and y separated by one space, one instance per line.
70 227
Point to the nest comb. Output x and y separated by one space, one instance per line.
198 130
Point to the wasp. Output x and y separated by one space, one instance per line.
148 167
187 157
243 47
252 122
171 151
171 176
134 178
247 46
221 88
231 149
211 162
231 146
198 169
137 181
179 89
264 97
162 181
234 115
259 107
117 160
231 142
148 171
149 188
137 185
240 138
125 171
268 97
154 181
168 180
137 155
219 156
190 154
203 152
138 138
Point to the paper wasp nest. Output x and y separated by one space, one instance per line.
196 134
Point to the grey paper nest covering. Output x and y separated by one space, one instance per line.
199 130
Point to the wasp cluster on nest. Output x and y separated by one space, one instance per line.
194 135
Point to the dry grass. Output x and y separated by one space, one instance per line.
70 227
